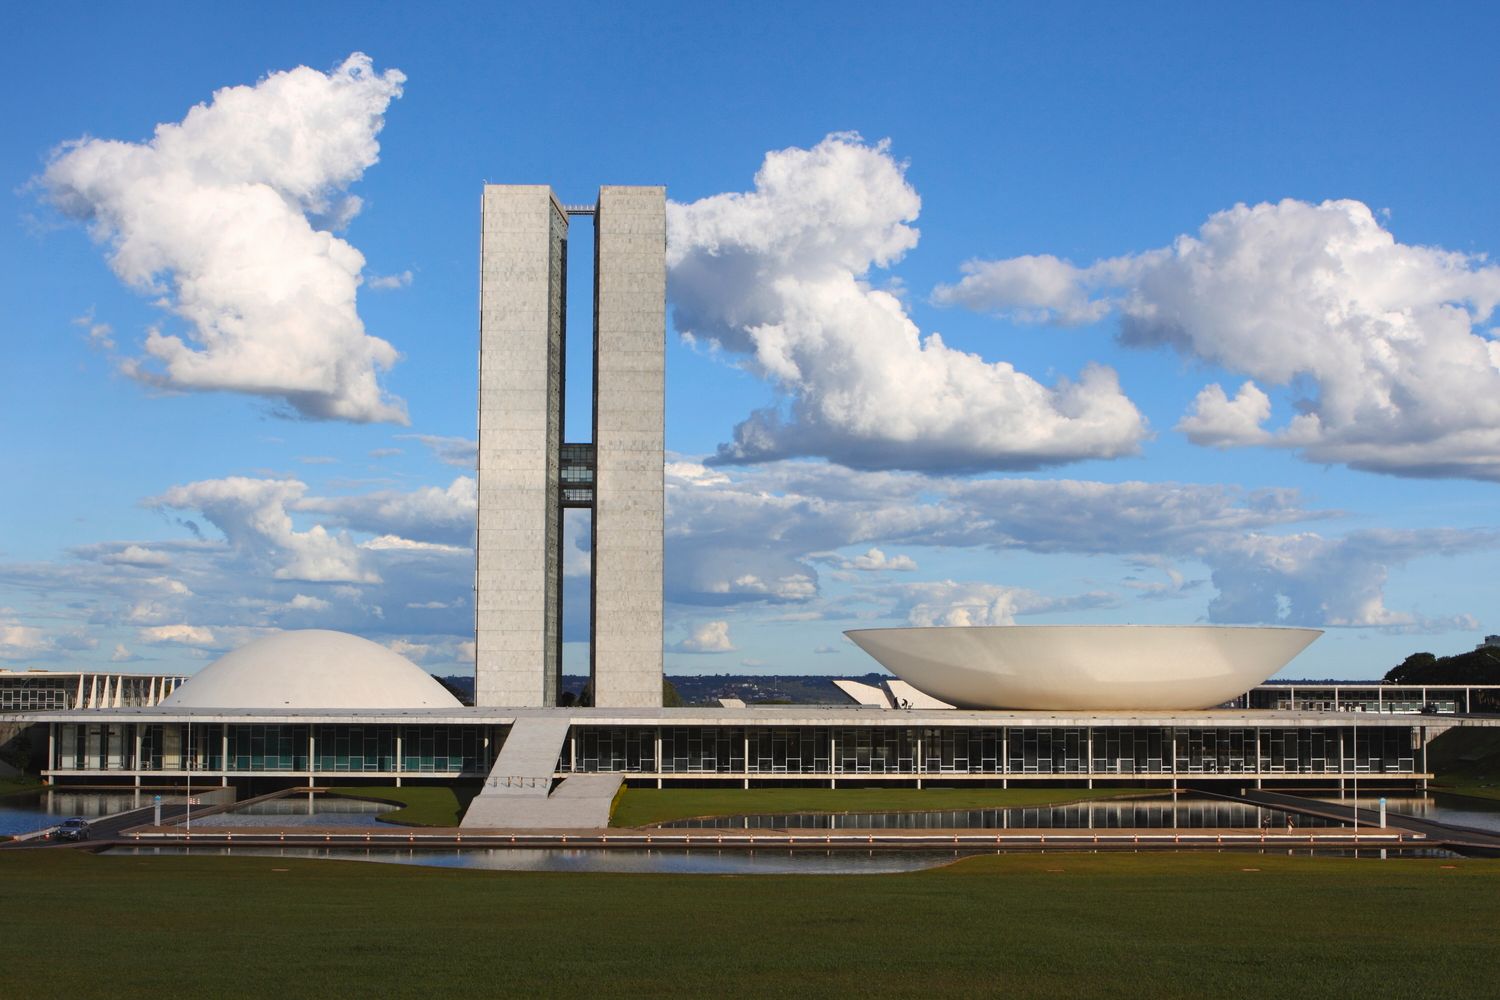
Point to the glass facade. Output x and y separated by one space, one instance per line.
578 475
1377 698
746 751
1001 751
261 748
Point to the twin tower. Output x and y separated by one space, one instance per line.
530 470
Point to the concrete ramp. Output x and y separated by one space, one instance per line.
518 794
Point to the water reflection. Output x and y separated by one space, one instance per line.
617 860
681 862
1455 810
299 811
1124 814
32 811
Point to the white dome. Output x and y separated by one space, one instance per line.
311 668
1084 667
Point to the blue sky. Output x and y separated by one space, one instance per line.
1051 192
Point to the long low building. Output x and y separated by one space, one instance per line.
41 690
746 746
1372 696
318 707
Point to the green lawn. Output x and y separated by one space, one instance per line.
1466 761
25 783
421 805
1053 925
643 806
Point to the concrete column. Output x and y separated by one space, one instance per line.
400 758
833 758
312 758
516 585
224 755
136 759
630 232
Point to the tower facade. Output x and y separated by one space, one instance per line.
528 472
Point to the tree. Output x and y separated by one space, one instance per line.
1413 670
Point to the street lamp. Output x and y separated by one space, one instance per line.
1356 776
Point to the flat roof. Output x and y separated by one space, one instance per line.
778 715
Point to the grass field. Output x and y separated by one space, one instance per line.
25 783
421 805
1467 762
642 806
1054 925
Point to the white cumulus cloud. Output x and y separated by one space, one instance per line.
873 561
189 635
305 602
781 275
225 218
253 515
949 602
1382 348
443 515
390 282
708 637
19 642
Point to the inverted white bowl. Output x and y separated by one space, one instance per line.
1084 667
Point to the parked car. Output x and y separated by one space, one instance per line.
76 828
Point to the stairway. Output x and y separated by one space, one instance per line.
518 794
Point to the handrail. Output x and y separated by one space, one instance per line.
520 781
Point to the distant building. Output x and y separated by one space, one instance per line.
1490 641
50 690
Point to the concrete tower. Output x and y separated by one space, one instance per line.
528 473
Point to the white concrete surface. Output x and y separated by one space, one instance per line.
864 694
629 439
521 298
1084 667
518 793
903 695
311 669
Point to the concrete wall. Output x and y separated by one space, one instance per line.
524 253
629 409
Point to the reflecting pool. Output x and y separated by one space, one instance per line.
627 860
299 810
1457 810
32 811
1185 812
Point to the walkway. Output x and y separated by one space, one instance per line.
1445 834
518 795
